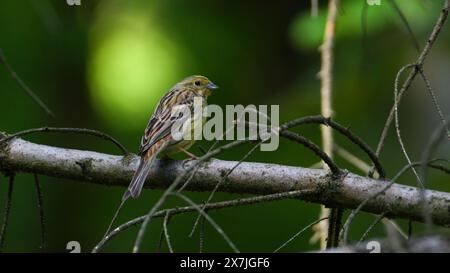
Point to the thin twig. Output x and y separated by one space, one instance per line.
23 85
397 123
430 164
211 195
326 91
211 206
396 102
419 62
406 23
67 130
293 237
202 234
166 231
434 99
369 229
342 130
326 74
387 221
333 234
352 159
209 219
40 203
313 147
410 230
116 213
6 211
160 241
432 145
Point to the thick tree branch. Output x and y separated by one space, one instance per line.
249 178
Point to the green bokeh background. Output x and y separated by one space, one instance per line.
104 64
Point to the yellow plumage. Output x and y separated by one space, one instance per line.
157 137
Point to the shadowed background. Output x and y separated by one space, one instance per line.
105 64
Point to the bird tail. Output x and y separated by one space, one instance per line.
145 164
139 177
136 185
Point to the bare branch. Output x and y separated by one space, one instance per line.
298 233
434 100
83 131
406 23
166 231
41 210
326 90
23 85
7 210
209 219
369 229
398 201
210 206
419 62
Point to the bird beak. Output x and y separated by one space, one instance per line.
212 86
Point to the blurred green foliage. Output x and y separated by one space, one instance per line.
308 34
104 64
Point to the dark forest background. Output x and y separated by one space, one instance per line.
104 64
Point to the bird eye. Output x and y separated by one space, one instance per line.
197 83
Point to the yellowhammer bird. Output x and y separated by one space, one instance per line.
157 137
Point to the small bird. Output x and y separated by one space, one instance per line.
157 136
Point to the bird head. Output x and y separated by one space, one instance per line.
199 84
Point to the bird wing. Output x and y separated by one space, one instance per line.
161 122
